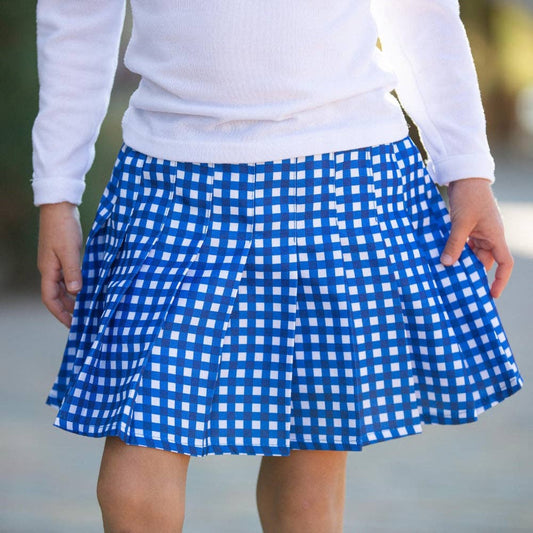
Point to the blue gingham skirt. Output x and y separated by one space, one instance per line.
291 304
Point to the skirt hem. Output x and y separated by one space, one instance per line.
243 449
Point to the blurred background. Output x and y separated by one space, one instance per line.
470 478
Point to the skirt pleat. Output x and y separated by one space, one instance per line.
255 308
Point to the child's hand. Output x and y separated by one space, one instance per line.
475 216
58 258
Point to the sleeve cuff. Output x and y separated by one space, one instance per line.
55 190
460 167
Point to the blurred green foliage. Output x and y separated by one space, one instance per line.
500 33
18 96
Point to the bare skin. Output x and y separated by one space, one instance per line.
475 216
303 492
143 489
58 258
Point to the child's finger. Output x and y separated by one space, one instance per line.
67 299
456 242
485 256
52 301
70 266
505 261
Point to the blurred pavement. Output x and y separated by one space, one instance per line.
471 478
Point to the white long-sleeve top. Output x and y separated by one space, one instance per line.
256 80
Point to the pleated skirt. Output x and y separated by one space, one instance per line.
256 308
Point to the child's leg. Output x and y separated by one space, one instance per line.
302 492
141 489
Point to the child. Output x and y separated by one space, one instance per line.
271 269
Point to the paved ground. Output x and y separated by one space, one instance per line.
472 478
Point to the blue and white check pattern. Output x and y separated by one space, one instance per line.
292 304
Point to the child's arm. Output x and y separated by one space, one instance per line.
428 48
77 50
438 87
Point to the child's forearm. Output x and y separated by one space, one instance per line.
437 84
77 45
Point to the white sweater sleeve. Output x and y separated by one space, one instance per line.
77 51
426 44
